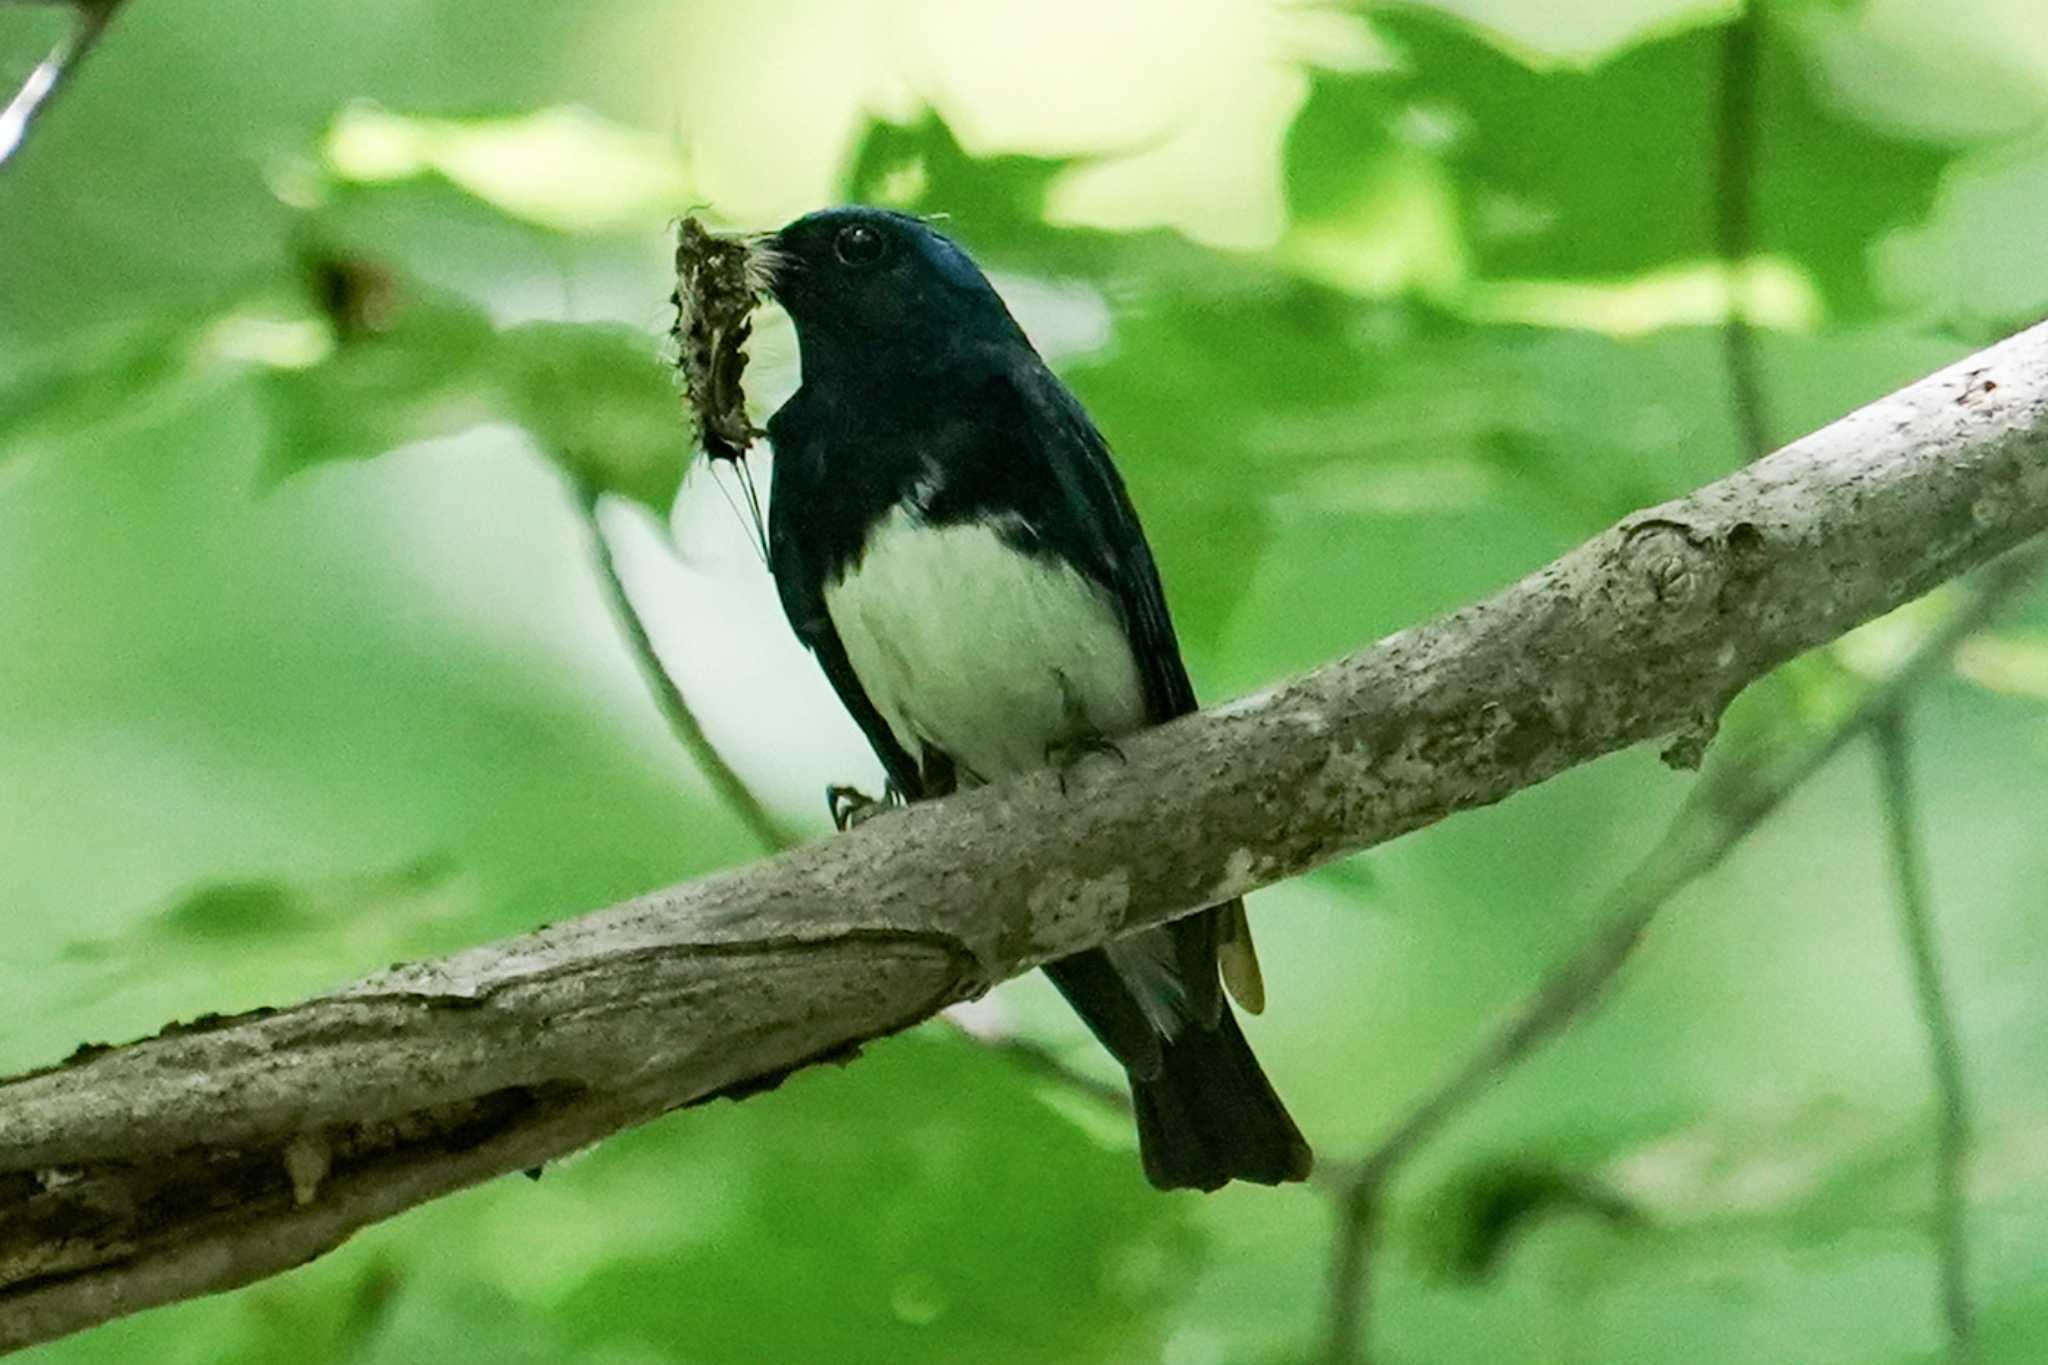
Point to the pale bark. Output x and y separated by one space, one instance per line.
230 1149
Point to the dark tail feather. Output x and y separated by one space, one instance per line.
1212 1117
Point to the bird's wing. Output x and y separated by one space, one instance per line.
1100 532
800 585
1091 522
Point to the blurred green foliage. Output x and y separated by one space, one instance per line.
278 704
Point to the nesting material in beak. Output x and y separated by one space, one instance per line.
720 279
765 261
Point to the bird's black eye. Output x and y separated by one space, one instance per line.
858 244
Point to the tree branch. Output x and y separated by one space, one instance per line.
229 1149
1731 802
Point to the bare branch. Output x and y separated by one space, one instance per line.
1937 1018
229 1149
1733 800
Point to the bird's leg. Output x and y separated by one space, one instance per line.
851 807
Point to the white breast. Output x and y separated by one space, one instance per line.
972 646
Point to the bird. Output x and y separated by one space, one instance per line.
950 539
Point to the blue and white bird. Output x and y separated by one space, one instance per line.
952 542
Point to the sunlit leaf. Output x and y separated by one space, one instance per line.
1965 264
1537 157
564 168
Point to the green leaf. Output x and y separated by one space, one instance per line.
425 373
1567 172
601 402
248 930
596 397
1965 265
916 1207
1473 1220
99 378
921 168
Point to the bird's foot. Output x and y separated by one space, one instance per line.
1062 755
852 807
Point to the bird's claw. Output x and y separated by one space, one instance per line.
852 807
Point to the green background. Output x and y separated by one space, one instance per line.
310 316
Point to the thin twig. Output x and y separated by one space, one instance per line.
767 831
1944 1046
52 74
1351 1284
1046 1064
1728 804
1735 137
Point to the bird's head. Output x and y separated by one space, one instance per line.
868 284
